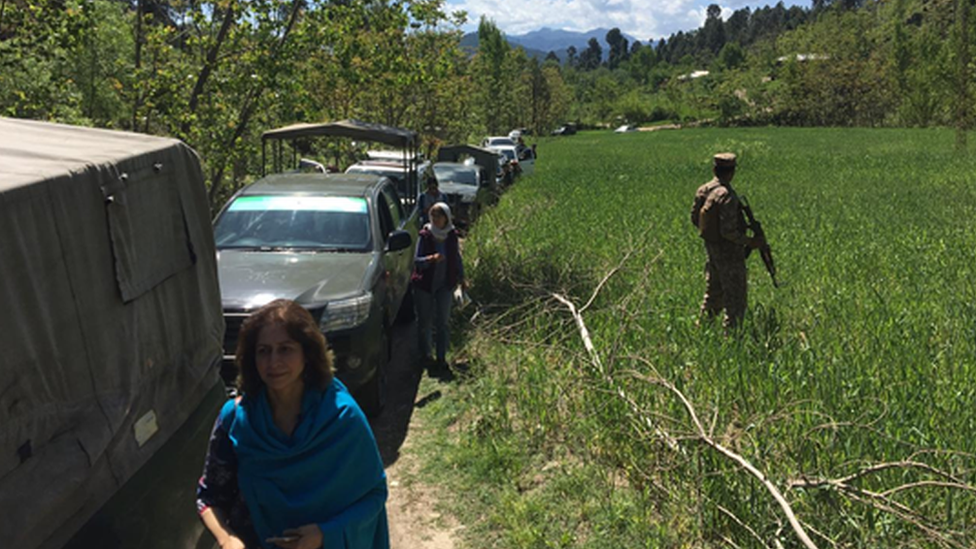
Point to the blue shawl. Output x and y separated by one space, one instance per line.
329 472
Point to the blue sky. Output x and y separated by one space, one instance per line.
642 19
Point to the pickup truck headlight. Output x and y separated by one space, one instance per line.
346 313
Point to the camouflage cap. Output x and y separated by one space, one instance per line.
724 160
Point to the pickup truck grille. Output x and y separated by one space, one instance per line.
233 322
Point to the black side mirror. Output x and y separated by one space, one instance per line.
399 240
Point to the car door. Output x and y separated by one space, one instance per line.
399 263
526 158
389 259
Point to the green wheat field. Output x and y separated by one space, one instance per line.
860 369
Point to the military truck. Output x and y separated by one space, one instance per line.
111 330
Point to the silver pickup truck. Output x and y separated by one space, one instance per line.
341 246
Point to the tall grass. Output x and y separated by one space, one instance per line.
867 354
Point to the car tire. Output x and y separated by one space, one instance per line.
406 313
372 396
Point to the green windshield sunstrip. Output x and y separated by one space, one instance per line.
299 203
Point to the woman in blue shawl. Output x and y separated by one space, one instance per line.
293 462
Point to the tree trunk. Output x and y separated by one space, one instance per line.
208 68
250 102
962 74
3 8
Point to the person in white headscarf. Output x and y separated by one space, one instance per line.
438 270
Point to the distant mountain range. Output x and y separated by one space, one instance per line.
539 43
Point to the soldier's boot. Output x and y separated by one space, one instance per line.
707 314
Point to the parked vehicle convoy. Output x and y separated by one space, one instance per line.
341 245
111 338
491 163
521 158
467 194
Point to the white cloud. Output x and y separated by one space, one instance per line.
642 19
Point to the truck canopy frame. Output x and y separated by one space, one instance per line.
405 140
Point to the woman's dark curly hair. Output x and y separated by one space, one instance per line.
301 327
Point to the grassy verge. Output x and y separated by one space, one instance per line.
865 356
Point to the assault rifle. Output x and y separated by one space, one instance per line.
764 251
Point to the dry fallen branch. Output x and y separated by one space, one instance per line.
926 483
701 433
598 365
609 275
741 524
877 468
819 534
884 501
739 460
909 518
656 426
729 542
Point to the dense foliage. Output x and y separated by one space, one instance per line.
218 73
857 63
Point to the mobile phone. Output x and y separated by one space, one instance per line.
282 539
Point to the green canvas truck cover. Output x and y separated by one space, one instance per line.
110 316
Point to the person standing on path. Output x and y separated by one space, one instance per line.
717 214
428 198
438 270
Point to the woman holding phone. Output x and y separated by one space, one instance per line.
292 463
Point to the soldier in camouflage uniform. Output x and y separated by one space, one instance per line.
718 216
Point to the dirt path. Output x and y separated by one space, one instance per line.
412 508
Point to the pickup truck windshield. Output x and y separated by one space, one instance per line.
294 222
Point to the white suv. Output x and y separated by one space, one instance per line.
521 157
497 141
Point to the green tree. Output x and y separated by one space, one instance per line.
39 41
619 48
592 56
713 31
731 56
571 56
491 74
